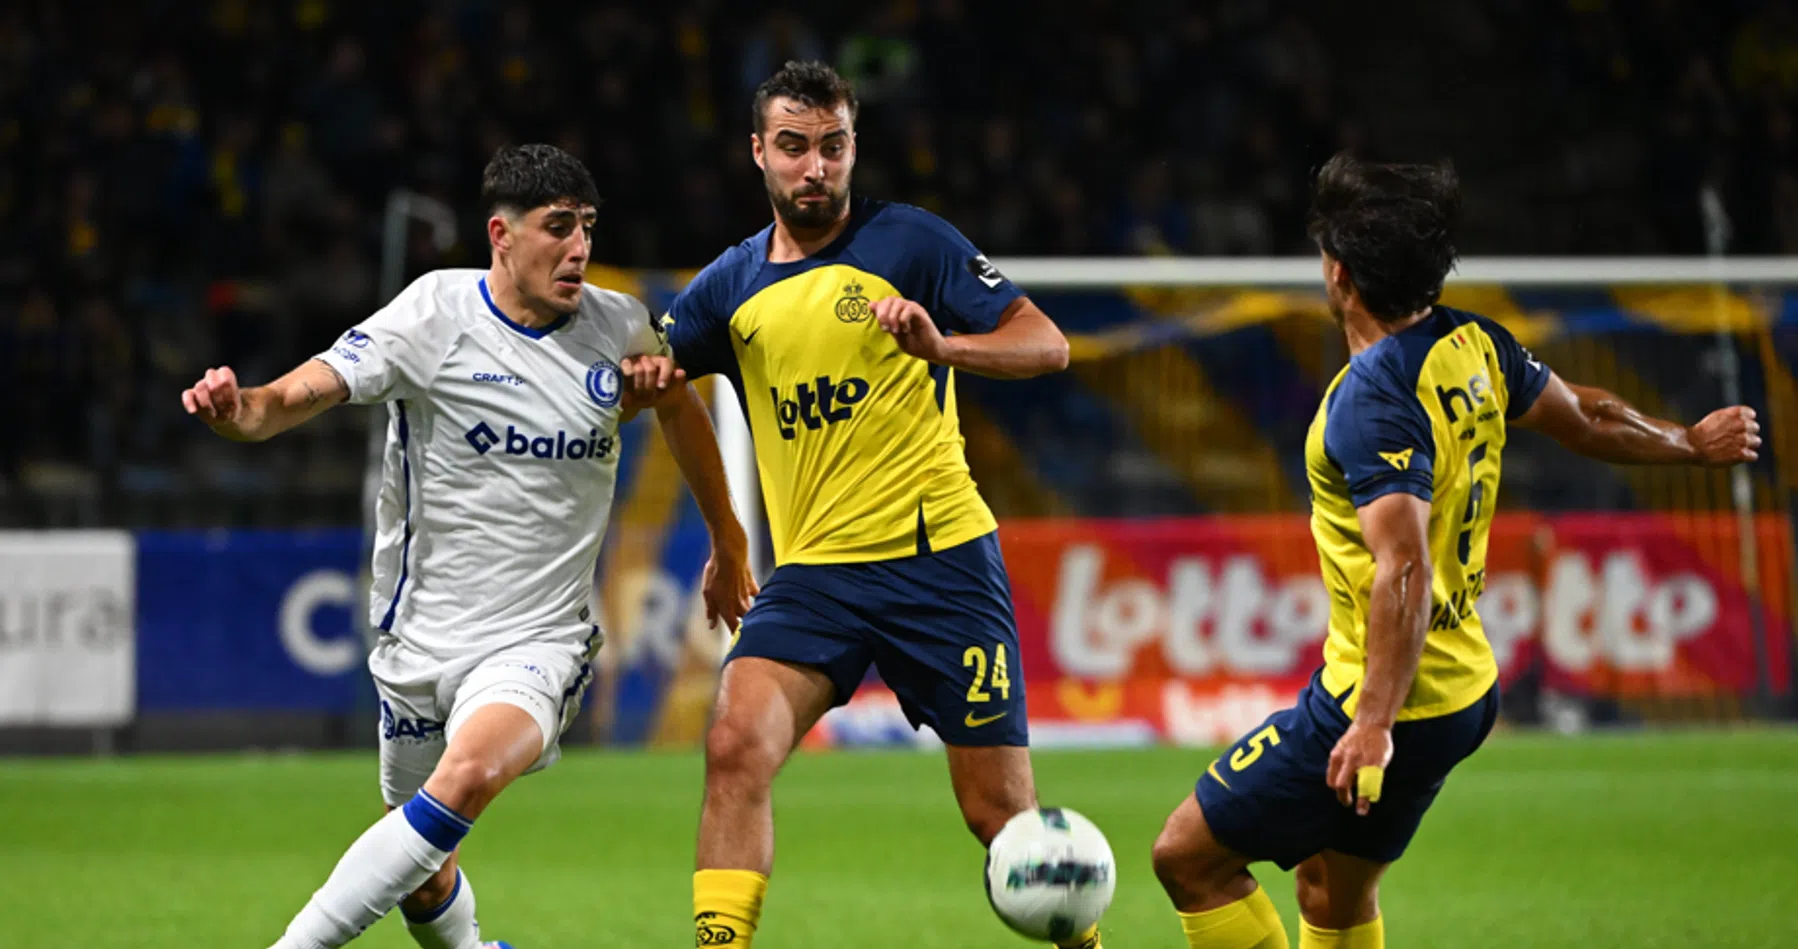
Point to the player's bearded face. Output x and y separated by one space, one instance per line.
809 206
806 154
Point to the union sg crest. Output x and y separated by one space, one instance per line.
852 307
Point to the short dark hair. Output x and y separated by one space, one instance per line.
1391 226
522 178
813 83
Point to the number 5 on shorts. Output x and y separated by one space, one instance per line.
1262 740
975 658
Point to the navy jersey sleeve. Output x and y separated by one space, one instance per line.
1525 376
697 327
965 293
1379 435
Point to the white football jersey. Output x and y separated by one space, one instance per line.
502 452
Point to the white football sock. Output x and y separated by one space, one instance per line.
389 861
450 926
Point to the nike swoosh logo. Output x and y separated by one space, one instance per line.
973 722
746 339
1220 778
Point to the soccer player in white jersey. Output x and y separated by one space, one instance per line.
505 390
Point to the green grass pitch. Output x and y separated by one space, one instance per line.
1677 839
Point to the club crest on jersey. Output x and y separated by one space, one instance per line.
604 383
852 307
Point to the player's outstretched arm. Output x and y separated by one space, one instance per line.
1026 342
262 412
1397 529
687 426
1601 425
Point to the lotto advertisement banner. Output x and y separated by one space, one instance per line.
1192 630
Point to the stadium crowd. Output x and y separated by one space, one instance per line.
200 183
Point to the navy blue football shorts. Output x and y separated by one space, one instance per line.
939 628
1266 797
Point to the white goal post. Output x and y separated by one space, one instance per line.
1099 273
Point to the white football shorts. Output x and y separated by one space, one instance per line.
424 700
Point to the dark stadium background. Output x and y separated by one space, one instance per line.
194 183
188 184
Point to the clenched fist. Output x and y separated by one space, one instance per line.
215 399
1726 437
911 326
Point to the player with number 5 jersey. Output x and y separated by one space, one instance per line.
1403 458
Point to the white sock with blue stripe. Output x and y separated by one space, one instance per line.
390 860
451 925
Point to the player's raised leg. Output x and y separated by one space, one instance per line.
1339 902
764 707
992 784
403 850
1221 905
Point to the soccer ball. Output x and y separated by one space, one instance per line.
1049 874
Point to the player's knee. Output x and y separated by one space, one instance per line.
1186 869
738 756
1328 907
985 819
1313 891
467 781
1170 857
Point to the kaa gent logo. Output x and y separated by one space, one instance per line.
816 404
604 384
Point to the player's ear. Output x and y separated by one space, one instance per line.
1337 276
498 233
755 149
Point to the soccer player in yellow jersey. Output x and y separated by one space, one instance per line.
841 325
1403 460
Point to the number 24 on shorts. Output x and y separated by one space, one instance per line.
975 658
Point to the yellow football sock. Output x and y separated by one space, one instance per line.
1086 940
1369 935
726 906
1249 923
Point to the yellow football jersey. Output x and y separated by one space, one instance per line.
1423 411
858 444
